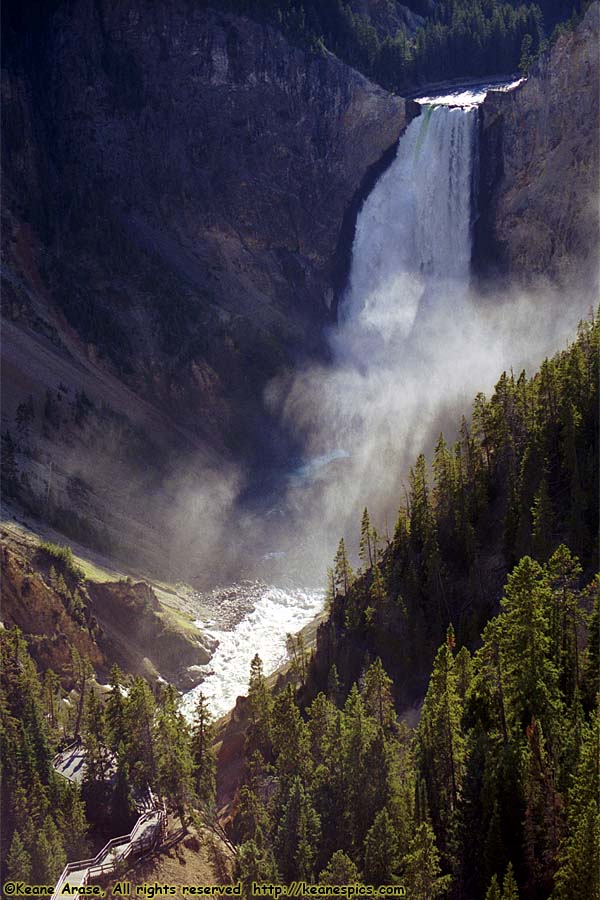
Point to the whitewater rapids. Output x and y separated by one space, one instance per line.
273 613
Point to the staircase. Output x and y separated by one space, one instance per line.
147 832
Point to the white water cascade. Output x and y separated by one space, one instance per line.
412 347
412 247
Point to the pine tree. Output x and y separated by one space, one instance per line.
260 706
377 592
343 575
567 619
254 863
203 754
381 850
71 821
49 857
359 733
333 685
291 739
542 514
82 675
18 861
339 870
542 823
493 892
123 806
578 874
526 59
175 766
366 541
257 779
377 694
298 654
115 711
94 740
591 678
297 839
440 740
510 890
140 735
422 872
530 675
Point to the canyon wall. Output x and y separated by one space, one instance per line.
175 185
539 166
180 186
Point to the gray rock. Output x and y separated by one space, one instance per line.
539 166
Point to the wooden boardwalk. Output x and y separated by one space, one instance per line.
146 834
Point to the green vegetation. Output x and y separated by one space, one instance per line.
43 816
483 608
62 555
496 785
494 794
132 740
521 479
453 38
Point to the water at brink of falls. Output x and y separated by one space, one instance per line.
412 248
410 259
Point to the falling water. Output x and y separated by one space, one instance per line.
412 247
399 355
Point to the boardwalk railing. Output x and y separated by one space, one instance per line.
144 835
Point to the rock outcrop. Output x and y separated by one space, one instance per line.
539 167
176 180
179 191
114 622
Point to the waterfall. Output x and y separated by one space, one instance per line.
412 247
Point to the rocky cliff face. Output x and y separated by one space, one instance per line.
539 167
179 185
180 176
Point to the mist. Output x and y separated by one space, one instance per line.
416 340
379 411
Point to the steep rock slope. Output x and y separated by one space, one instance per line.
179 189
186 173
539 166
110 622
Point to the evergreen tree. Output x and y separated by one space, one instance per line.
175 766
343 575
531 676
578 874
543 522
510 889
254 863
49 857
141 735
71 821
440 740
366 541
123 806
377 694
260 706
422 872
18 861
333 685
493 892
291 739
381 850
339 870
115 716
297 839
203 754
